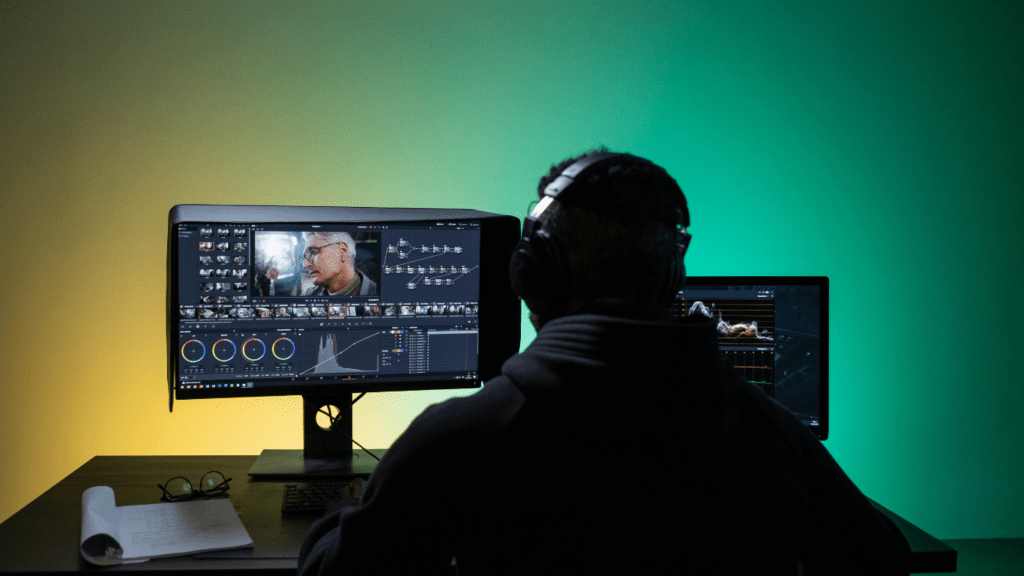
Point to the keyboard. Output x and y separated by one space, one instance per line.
314 497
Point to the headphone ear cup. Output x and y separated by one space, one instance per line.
675 277
522 270
536 276
553 276
669 284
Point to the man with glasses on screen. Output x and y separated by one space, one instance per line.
618 441
330 259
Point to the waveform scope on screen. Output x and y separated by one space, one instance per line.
739 330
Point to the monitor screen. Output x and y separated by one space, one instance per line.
774 331
324 302
288 300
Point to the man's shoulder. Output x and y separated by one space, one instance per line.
482 413
760 411
466 426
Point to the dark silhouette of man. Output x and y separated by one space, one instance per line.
618 442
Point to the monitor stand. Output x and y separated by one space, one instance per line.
326 454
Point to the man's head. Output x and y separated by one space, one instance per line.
330 258
615 230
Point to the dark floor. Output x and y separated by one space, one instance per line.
989 557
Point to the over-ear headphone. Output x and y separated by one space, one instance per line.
540 270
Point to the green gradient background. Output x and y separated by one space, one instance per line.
879 145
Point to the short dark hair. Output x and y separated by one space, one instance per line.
625 213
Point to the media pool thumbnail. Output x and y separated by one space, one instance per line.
341 311
209 313
206 386
452 309
215 312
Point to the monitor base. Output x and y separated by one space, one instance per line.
292 464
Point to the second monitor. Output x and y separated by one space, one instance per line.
774 331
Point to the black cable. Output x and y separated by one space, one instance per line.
364 449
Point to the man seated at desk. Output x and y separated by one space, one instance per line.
618 441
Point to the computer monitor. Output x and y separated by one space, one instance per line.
774 331
325 302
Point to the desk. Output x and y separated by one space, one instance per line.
44 536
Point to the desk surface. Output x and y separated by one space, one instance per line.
44 536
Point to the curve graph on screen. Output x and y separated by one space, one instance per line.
346 352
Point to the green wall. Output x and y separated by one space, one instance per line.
877 143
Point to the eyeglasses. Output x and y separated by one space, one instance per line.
177 489
313 251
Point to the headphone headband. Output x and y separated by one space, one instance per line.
540 270
560 184
569 175
573 173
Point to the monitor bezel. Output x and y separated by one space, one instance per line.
498 236
822 429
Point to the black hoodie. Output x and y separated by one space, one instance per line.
618 441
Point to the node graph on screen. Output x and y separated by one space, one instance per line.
327 302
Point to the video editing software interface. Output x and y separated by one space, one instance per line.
274 305
772 335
